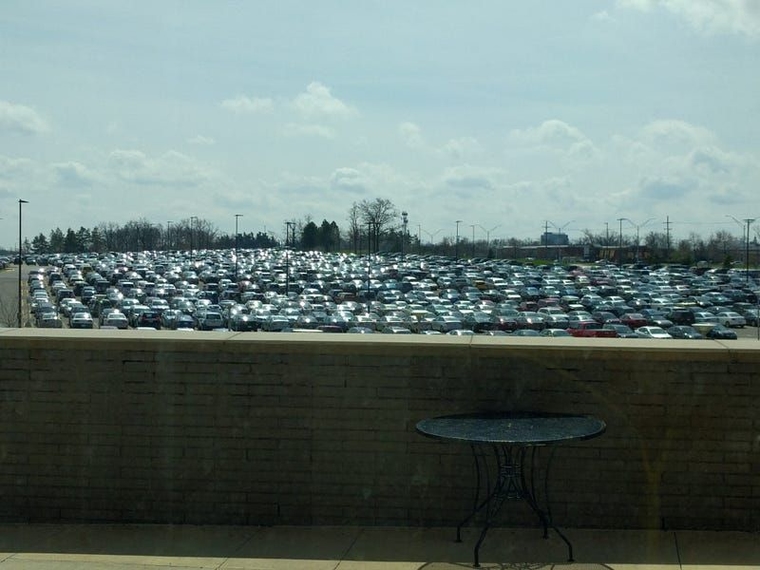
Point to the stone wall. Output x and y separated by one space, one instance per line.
253 428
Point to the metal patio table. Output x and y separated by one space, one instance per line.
505 448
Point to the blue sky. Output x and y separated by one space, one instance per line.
501 114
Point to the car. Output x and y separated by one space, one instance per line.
652 332
621 330
553 332
752 317
115 319
49 320
210 320
685 332
721 332
633 320
461 332
731 319
148 318
245 322
81 320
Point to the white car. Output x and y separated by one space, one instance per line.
731 319
116 320
652 332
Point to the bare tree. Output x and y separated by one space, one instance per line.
377 216
354 228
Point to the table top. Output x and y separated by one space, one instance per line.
514 428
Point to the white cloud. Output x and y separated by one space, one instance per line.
741 17
349 179
472 177
73 174
308 130
169 169
462 147
554 133
201 140
317 101
602 16
14 168
21 119
243 104
411 135
676 133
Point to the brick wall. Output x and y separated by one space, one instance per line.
255 428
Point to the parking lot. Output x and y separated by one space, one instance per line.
278 290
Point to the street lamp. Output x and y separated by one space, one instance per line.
236 245
456 244
168 235
620 240
20 202
749 222
193 219
289 227
404 222
488 237
559 230
637 233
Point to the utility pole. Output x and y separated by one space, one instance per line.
456 244
289 227
620 241
667 238
20 202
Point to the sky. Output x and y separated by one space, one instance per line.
508 116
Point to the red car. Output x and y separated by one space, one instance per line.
634 320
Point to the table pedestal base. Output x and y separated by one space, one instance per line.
510 474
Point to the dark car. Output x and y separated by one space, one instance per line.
685 332
622 331
243 322
150 319
720 332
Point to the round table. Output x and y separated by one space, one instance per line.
512 441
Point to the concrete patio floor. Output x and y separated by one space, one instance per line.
130 547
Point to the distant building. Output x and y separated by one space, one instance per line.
550 238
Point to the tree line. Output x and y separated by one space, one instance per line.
377 225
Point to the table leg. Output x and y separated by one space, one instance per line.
515 478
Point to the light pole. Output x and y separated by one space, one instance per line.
20 202
404 222
749 222
473 239
431 236
637 234
488 237
560 230
168 234
456 244
237 216
193 219
289 227
620 241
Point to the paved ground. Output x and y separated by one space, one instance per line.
125 547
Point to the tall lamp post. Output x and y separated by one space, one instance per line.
290 227
488 237
168 234
404 222
20 202
193 219
456 243
620 241
560 229
638 227
749 222
237 216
